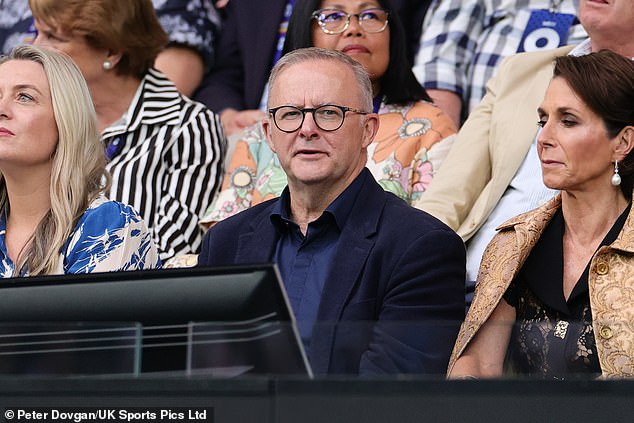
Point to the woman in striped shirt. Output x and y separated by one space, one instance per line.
165 151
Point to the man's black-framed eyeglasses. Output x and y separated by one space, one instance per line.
335 21
328 117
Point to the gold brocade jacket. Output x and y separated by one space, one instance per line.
610 285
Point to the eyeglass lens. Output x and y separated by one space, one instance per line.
290 119
336 21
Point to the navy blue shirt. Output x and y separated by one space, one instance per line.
304 261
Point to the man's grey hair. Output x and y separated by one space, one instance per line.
364 85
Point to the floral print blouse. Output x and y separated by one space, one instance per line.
110 236
410 145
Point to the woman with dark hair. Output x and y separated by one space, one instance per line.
398 83
554 294
414 135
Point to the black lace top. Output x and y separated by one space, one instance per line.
553 338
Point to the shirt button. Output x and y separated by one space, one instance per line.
605 332
602 268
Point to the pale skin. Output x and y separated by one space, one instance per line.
609 25
112 93
28 138
320 164
234 121
577 157
30 201
183 66
449 102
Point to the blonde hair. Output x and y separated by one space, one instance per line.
78 172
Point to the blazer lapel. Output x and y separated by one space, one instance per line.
258 245
355 245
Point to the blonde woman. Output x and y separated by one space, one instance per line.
53 215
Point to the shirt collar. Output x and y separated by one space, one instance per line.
156 101
583 48
339 209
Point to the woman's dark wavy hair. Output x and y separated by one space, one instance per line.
605 83
398 84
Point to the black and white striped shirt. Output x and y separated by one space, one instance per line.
166 159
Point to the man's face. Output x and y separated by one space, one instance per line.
601 18
310 155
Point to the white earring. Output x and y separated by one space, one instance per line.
616 178
107 65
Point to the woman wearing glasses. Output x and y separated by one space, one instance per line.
414 135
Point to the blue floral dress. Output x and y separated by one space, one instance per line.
110 236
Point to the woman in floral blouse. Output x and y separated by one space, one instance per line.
414 135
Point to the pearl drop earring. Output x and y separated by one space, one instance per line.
616 178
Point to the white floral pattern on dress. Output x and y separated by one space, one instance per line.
110 236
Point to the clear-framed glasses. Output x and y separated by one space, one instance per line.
335 21
328 117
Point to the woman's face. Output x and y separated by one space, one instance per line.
28 131
89 59
574 148
372 50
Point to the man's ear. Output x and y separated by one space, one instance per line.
266 125
625 143
370 128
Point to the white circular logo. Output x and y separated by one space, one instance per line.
542 39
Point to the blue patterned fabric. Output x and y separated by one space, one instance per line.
110 236
192 23
16 24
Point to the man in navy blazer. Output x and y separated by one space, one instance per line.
377 287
